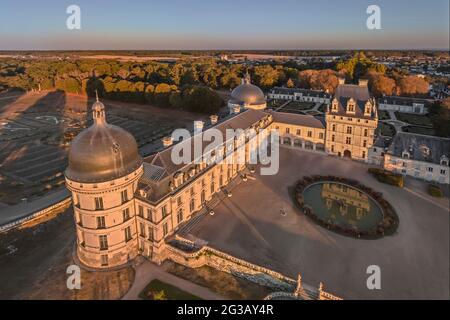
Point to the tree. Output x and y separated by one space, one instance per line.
290 83
381 85
412 85
201 99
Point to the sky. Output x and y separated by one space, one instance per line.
221 25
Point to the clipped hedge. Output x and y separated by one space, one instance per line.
387 226
388 177
435 191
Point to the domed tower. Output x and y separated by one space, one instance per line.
103 173
246 95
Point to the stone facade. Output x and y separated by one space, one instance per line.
351 122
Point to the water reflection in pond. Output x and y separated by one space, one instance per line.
342 205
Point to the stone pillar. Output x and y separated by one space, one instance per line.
303 144
314 146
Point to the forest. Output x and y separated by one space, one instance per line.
191 84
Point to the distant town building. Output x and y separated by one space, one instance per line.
403 104
297 94
419 156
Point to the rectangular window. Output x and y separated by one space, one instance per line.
298 132
179 203
363 154
165 229
365 143
192 205
98 203
288 130
442 171
348 140
192 191
150 234
332 138
142 229
124 196
141 211
103 241
320 135
104 260
212 187
149 215
126 214
366 132
430 169
127 233
333 127
332 148
180 216
164 211
349 130
309 134
101 223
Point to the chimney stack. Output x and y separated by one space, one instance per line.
363 82
167 141
213 118
198 126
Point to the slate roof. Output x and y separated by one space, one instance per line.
299 119
359 93
420 147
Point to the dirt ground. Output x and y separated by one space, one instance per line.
34 260
222 283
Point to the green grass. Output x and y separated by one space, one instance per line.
299 105
158 290
419 130
322 108
414 119
385 129
383 115
435 191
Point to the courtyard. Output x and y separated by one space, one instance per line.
259 223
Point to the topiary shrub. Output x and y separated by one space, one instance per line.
435 191
388 177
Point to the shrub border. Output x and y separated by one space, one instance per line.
386 227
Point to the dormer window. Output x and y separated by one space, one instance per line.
405 155
351 106
334 105
444 161
367 109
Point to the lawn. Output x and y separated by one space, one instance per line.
158 290
385 129
414 119
419 130
299 105
322 108
383 115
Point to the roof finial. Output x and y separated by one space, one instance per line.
96 94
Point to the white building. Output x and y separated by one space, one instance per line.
297 94
419 156
403 104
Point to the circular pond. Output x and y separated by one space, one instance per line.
341 205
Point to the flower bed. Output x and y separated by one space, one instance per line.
387 226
